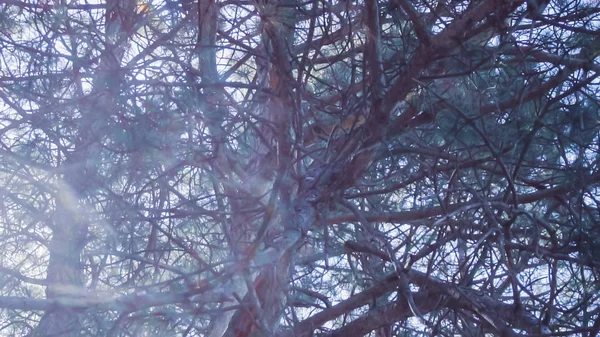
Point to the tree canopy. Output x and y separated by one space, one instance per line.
245 168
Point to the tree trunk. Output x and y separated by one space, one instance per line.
69 224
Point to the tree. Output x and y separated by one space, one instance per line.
297 168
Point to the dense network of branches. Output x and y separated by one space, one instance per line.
299 168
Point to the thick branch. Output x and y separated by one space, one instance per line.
411 215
